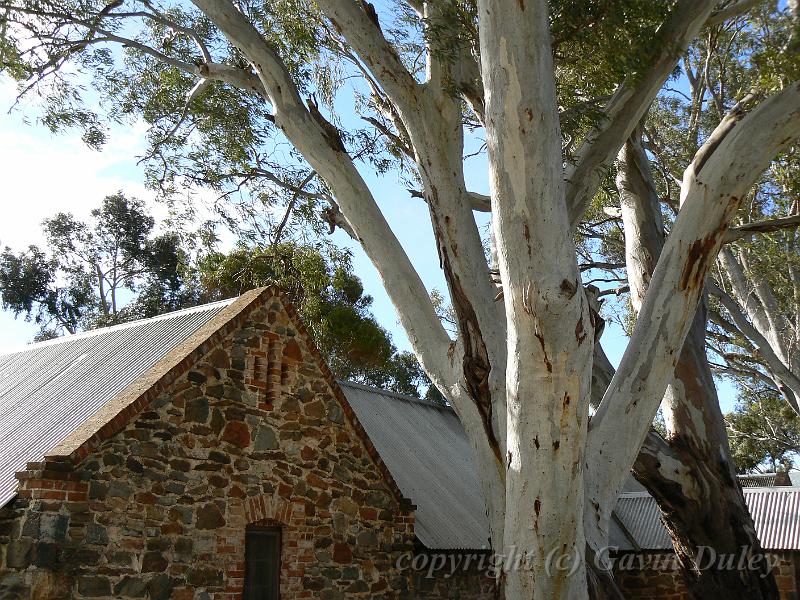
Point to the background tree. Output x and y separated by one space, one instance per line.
331 301
556 88
116 269
764 431
91 270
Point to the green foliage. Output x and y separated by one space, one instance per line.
331 302
764 432
79 281
115 268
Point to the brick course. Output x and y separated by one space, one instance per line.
657 576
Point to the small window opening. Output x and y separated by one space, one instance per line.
262 551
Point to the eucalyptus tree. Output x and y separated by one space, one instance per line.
728 61
89 270
556 89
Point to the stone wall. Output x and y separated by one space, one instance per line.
655 576
453 576
253 432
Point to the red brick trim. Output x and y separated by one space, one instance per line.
116 414
271 507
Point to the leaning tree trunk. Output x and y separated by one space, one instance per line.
702 505
690 474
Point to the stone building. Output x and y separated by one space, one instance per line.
202 454
210 454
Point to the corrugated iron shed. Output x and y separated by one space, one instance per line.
776 513
50 388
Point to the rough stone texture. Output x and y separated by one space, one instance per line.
656 576
251 433
462 576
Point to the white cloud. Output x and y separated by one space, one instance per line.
42 174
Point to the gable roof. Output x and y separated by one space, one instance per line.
61 398
49 389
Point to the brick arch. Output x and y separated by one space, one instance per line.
296 550
272 508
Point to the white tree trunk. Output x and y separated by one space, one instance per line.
550 336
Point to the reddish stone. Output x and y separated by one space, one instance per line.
292 351
237 434
342 553
145 498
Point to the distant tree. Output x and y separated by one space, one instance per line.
115 269
764 431
108 270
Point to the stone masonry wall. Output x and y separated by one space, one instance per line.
658 577
252 433
459 576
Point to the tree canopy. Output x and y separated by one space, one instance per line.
117 267
89 272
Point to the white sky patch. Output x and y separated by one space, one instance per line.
43 174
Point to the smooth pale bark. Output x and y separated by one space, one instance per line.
721 173
701 501
779 374
630 102
314 140
550 336
753 309
432 119
519 373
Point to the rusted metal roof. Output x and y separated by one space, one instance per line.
50 388
775 512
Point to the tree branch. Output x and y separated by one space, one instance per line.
629 104
742 231
311 137
714 184
357 22
765 351
718 17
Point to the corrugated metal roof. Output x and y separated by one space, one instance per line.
426 450
50 388
639 513
758 480
775 512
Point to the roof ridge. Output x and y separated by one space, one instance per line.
112 416
119 327
396 395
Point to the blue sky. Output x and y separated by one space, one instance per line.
43 174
